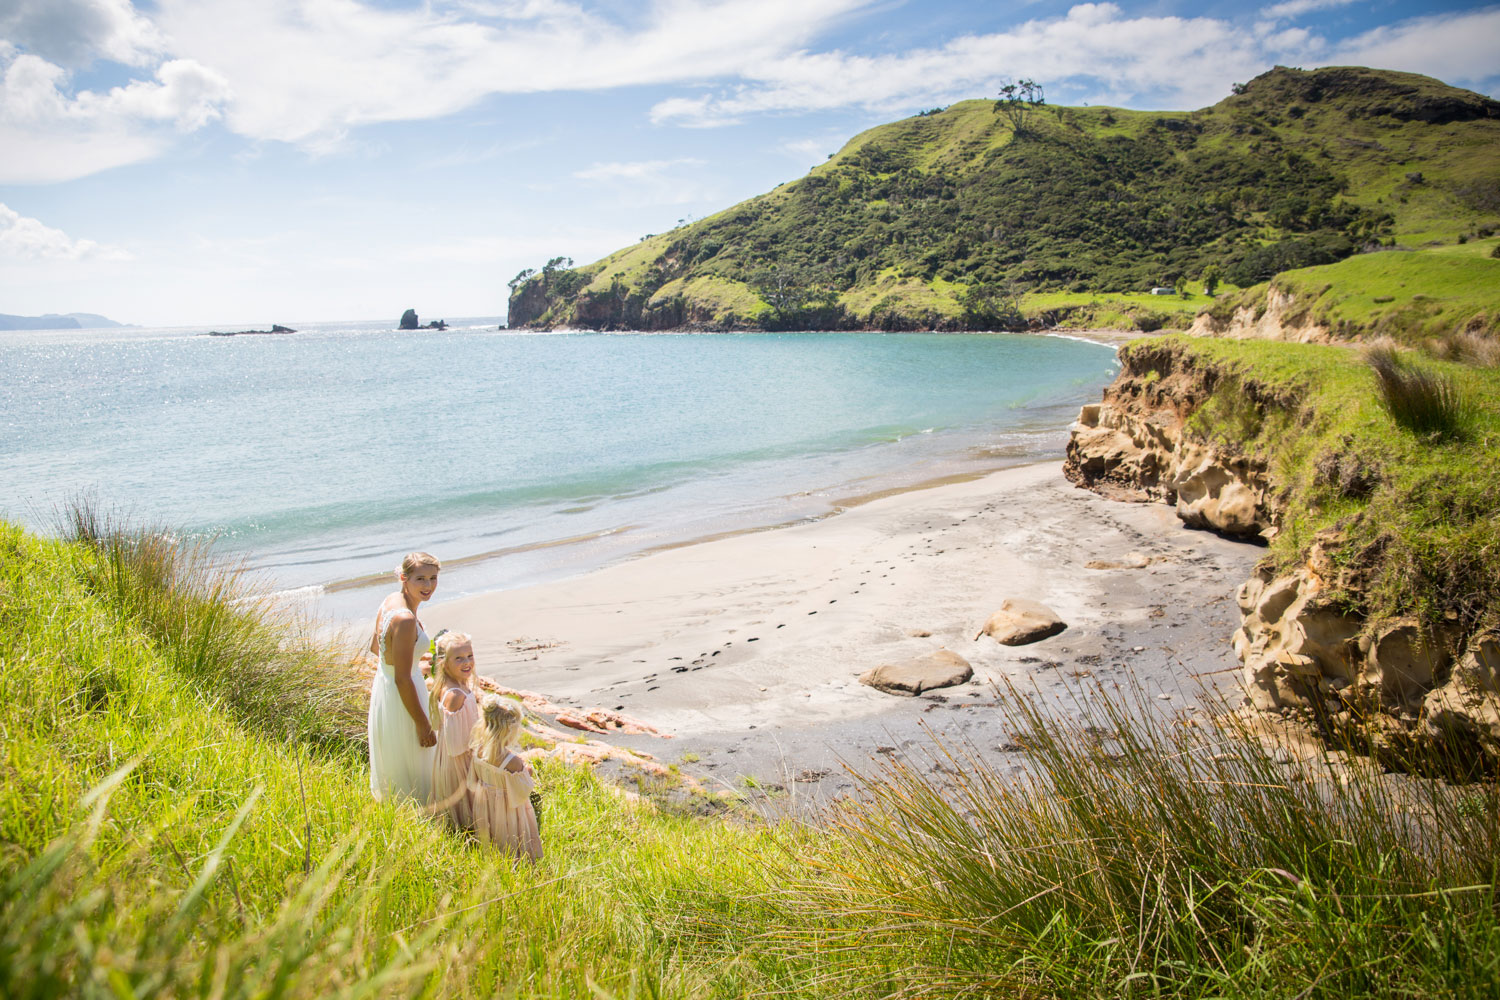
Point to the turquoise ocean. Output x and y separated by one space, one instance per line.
318 458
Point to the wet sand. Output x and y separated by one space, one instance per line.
747 648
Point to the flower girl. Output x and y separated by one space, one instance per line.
453 712
500 782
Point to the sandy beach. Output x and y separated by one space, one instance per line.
747 648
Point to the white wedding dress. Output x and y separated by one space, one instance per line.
399 765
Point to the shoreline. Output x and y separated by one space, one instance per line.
475 573
747 647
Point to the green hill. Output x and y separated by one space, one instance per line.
950 219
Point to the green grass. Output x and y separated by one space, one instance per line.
204 830
164 835
1117 310
1408 296
1424 539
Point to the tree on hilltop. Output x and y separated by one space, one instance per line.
1018 101
552 267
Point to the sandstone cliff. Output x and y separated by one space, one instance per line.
1136 445
1396 687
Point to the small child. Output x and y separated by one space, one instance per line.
500 784
453 712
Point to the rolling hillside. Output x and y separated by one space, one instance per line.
952 220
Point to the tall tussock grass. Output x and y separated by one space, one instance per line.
264 662
1418 399
1141 857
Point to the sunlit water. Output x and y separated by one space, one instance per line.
319 457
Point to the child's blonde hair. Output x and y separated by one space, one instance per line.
499 727
441 647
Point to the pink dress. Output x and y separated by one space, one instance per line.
502 808
450 762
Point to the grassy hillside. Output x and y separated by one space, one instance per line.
951 219
184 811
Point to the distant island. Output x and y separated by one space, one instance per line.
58 321
252 333
1013 215
409 321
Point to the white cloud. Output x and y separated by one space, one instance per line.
1296 8
812 151
76 32
1092 41
25 238
633 170
1455 48
49 135
312 72
306 71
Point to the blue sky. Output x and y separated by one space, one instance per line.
213 161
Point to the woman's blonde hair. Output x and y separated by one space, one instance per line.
441 647
412 560
499 727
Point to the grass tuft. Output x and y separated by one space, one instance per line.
1422 401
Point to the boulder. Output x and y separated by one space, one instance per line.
1131 560
1020 621
409 320
943 668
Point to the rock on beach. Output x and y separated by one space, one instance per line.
1020 621
943 668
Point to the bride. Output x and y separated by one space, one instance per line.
401 738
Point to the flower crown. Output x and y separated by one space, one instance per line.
432 647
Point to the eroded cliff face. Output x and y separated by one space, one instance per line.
1279 320
1305 649
1135 445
